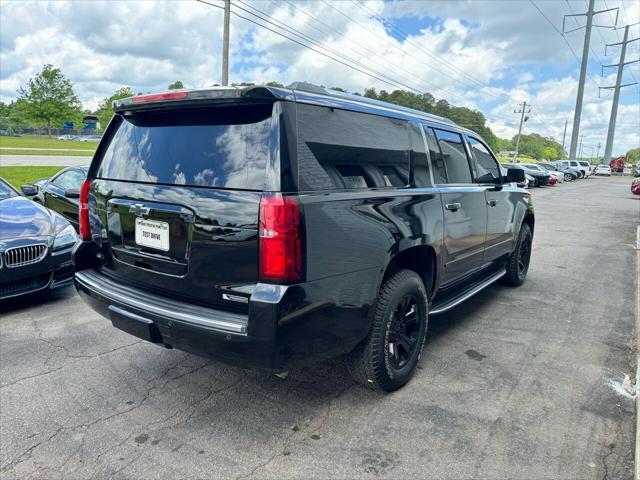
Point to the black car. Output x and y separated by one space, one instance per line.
61 192
272 227
541 178
35 245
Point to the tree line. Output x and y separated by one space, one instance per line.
48 100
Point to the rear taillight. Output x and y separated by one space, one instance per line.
280 241
83 210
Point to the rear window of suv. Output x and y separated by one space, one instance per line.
225 147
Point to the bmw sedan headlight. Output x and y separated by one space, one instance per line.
65 238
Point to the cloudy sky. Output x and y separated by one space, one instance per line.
488 55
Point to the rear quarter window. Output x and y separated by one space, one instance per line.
223 147
340 149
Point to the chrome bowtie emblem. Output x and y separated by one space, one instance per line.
139 209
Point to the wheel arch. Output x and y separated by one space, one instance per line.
530 220
421 259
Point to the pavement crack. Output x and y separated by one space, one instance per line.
28 377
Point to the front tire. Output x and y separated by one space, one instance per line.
387 359
518 263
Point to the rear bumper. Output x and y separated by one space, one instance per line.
204 331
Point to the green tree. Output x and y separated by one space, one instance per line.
549 153
633 155
176 85
274 84
48 98
105 107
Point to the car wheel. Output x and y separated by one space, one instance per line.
518 264
567 177
387 359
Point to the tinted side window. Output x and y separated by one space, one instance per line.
343 149
70 180
454 156
486 166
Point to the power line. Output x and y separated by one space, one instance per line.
385 79
398 85
318 43
430 53
561 36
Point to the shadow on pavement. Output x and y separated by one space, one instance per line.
23 302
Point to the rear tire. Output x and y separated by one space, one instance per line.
387 359
518 264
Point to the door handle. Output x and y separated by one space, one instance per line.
492 203
452 206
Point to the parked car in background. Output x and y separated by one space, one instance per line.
66 137
540 178
61 192
586 168
570 174
583 170
35 245
635 186
530 181
557 176
602 170
635 170
341 225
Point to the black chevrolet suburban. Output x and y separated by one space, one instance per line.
273 227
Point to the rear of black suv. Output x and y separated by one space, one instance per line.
271 228
181 230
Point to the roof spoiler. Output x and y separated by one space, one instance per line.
191 98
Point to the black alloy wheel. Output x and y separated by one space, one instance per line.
524 256
404 332
387 359
518 264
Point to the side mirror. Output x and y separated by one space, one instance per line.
515 175
72 193
28 190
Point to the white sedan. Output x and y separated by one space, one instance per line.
603 170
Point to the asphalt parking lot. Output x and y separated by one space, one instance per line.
513 384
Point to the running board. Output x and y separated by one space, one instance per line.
467 293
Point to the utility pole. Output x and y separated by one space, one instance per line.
616 92
598 151
225 43
580 148
564 135
583 69
522 110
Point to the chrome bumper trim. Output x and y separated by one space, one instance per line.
171 309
